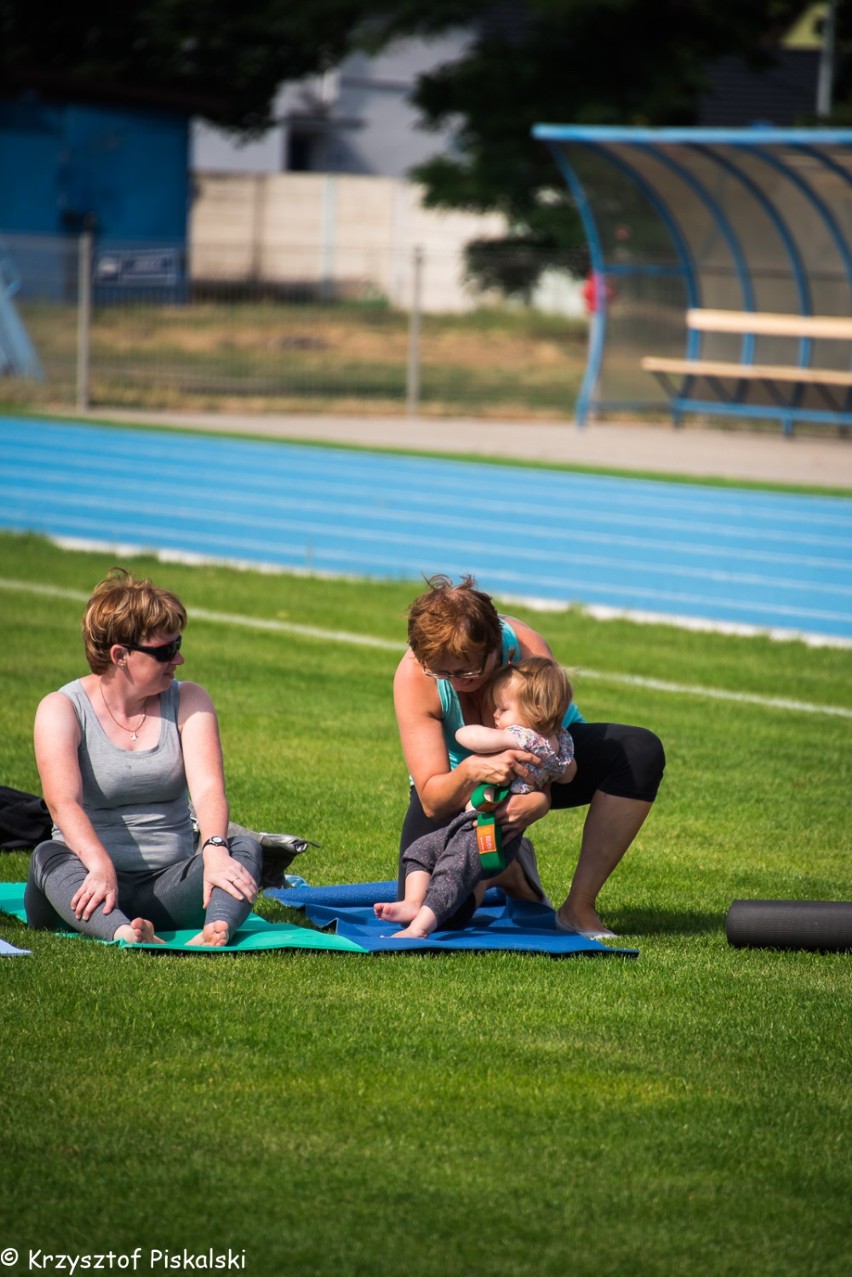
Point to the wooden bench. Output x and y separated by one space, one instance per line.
729 381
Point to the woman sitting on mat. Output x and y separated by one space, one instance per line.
441 869
119 752
456 641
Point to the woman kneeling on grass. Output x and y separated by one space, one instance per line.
530 701
457 640
119 752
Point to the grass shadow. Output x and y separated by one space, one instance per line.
662 922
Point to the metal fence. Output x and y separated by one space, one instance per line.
136 326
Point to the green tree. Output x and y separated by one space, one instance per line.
220 59
562 61
527 62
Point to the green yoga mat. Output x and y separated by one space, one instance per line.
254 935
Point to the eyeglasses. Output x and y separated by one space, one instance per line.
164 652
455 673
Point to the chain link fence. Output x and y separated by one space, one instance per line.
143 326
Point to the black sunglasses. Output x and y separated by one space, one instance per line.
164 653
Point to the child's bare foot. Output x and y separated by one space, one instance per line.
139 931
420 927
214 935
396 911
412 932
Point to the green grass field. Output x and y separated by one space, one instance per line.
343 1116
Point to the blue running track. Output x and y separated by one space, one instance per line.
688 552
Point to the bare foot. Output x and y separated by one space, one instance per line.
583 921
139 931
412 933
396 911
513 880
213 936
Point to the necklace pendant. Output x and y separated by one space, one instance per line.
133 736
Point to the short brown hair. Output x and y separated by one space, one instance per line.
124 610
455 621
543 689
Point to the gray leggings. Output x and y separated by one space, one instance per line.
452 858
170 897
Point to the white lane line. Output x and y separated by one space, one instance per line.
389 645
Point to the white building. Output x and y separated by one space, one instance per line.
356 119
325 194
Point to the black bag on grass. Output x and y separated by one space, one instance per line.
24 819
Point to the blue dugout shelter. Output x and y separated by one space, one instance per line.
754 219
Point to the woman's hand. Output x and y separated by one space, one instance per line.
100 886
500 769
519 811
221 870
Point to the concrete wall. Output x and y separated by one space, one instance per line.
354 235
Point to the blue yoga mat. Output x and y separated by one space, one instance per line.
500 923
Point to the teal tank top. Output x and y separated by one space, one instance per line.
452 711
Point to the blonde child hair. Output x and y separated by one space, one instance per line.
543 691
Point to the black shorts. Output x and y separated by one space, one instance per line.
627 762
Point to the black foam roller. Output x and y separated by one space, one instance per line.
823 925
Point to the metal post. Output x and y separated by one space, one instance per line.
257 227
413 378
825 77
84 318
329 238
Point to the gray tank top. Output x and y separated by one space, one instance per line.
136 801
